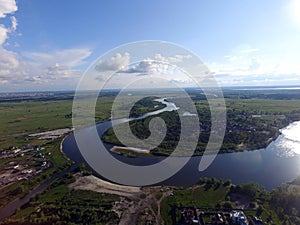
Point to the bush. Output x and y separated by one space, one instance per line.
252 204
227 183
143 196
228 205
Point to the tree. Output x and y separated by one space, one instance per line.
259 211
250 189
228 205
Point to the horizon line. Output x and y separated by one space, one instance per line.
117 89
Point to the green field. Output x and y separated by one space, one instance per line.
19 119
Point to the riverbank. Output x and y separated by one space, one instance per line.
126 150
93 183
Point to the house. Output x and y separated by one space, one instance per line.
26 172
16 167
239 218
38 155
189 216
37 148
16 151
219 218
256 221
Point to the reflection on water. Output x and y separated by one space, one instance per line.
288 144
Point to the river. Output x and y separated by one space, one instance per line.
270 167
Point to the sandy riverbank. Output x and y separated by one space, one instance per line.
93 183
117 149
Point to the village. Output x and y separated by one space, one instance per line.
204 216
22 163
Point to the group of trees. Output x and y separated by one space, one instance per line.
250 189
144 106
286 202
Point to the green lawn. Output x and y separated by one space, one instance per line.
19 119
198 196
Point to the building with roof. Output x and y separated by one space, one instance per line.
239 218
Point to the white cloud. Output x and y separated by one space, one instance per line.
171 59
14 24
9 61
251 66
7 7
32 78
241 67
68 57
58 71
242 61
41 67
231 57
148 67
4 31
165 68
162 69
57 64
115 63
127 73
183 81
3 34
38 67
158 65
250 50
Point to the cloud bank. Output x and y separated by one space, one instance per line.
249 67
35 68
118 71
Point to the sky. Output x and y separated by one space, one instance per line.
48 45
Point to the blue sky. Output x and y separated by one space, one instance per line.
46 45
